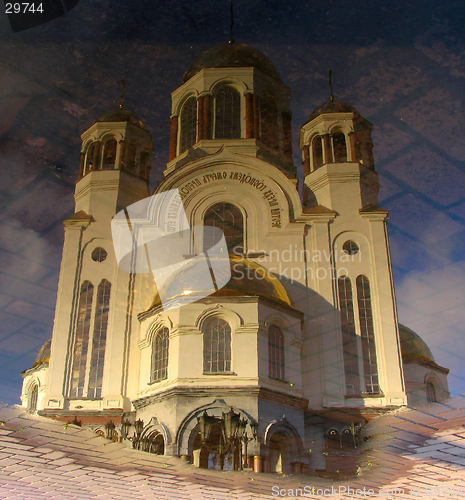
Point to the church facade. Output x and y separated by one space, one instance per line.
280 368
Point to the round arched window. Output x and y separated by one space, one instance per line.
99 254
350 247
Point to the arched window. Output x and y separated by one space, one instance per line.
269 126
228 218
217 346
160 350
349 336
109 155
93 157
145 165
339 147
99 340
317 152
81 342
333 439
32 398
131 159
430 392
188 124
227 113
347 439
365 312
275 353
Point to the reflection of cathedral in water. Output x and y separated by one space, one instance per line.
278 370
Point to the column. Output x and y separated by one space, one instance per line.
326 149
306 161
200 125
249 117
173 137
207 103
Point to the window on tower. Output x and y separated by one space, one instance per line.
87 371
93 157
229 219
188 124
227 113
339 147
317 152
99 339
160 350
217 346
349 336
109 155
81 340
365 312
269 125
275 353
131 158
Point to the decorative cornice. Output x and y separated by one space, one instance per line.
79 219
223 392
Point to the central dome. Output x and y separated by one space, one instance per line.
232 55
248 279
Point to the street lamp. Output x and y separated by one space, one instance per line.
110 429
233 434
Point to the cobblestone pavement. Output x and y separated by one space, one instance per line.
411 453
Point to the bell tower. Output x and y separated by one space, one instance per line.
92 326
338 159
232 96
341 193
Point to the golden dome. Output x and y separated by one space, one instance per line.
43 355
412 346
247 279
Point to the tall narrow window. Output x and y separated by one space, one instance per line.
430 392
370 368
32 398
81 343
109 155
131 160
276 352
317 152
269 126
339 147
160 352
349 336
93 157
217 346
228 218
227 113
188 124
99 340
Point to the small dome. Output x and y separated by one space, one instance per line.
247 279
43 355
232 55
120 115
332 107
412 346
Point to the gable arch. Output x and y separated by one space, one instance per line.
185 434
231 317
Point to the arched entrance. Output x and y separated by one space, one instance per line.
210 455
280 453
153 443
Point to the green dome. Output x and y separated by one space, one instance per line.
232 55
